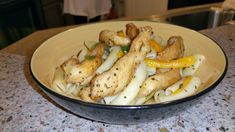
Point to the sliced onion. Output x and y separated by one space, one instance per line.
108 63
58 82
189 71
188 90
109 99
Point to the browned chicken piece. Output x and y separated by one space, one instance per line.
131 31
159 81
85 94
111 37
82 73
141 42
173 50
116 79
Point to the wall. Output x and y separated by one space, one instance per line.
143 8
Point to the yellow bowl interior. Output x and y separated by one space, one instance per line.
57 49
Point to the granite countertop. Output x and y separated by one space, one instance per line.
24 107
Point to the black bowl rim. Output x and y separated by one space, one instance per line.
131 107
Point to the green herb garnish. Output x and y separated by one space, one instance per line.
126 48
89 57
107 48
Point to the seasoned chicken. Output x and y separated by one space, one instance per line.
116 79
159 81
141 42
173 50
85 94
112 38
131 31
82 73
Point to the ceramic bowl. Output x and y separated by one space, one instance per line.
60 47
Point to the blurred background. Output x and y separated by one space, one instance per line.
19 18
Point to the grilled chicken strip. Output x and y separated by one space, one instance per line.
131 31
113 81
141 42
159 81
173 50
85 94
111 37
116 79
82 73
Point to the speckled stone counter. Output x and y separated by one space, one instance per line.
24 107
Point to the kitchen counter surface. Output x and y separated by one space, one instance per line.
24 107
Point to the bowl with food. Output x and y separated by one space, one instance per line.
128 72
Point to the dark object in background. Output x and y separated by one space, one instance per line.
172 4
19 18
196 21
84 19
210 18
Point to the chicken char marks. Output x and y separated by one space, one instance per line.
131 31
166 77
173 50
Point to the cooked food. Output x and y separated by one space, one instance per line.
159 81
84 94
185 87
112 38
113 81
117 78
179 63
111 59
82 73
130 92
131 31
173 50
131 67
141 42
62 87
190 70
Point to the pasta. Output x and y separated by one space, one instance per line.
181 89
